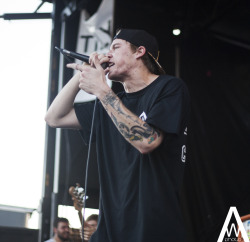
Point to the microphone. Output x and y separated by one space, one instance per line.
84 58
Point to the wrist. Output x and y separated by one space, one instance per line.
103 92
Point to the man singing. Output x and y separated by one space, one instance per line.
140 136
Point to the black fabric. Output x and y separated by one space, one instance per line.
86 120
140 193
217 168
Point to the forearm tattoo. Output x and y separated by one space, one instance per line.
112 100
133 131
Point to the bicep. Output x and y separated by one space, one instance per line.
69 121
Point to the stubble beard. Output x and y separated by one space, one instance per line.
63 238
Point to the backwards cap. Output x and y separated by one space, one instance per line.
139 38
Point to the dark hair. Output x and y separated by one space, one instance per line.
149 62
92 217
58 220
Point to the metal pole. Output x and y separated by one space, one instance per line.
54 197
49 152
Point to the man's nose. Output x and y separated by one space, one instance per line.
109 54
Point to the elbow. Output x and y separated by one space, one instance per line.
50 121
146 149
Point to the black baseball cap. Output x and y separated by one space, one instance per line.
139 37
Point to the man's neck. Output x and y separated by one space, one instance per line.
138 81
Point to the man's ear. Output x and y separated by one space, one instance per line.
140 51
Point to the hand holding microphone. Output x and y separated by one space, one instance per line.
78 56
92 80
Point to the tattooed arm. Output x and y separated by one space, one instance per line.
142 136
137 132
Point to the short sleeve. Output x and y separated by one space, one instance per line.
169 113
84 113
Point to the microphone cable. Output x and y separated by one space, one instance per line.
87 168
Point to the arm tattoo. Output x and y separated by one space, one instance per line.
135 132
112 100
146 132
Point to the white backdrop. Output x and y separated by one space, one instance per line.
95 35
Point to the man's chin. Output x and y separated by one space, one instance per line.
113 77
64 238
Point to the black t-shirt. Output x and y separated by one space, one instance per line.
139 192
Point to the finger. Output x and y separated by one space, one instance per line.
86 238
104 61
75 66
87 229
91 58
101 56
97 63
106 71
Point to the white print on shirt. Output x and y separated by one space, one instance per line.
183 153
185 131
143 116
